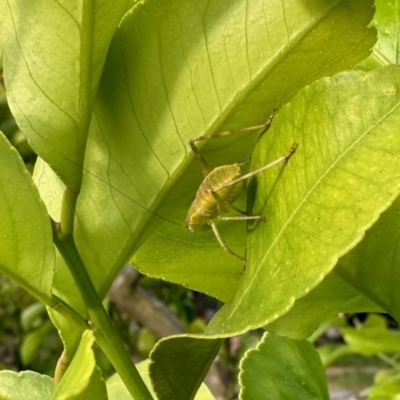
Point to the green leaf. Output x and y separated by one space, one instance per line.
372 338
32 341
83 380
387 23
31 316
386 387
27 385
26 246
53 55
70 332
223 66
343 175
192 260
168 378
51 190
362 281
117 391
281 368
374 264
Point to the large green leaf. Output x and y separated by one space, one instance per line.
362 281
281 368
222 66
344 174
192 260
26 245
53 56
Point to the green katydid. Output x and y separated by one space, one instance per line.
221 187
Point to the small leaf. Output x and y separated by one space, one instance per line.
168 377
387 23
27 385
281 368
117 390
32 341
371 339
386 387
83 380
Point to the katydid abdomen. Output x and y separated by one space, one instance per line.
210 202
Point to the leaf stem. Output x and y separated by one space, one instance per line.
68 208
104 332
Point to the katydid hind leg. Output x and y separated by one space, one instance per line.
285 157
242 218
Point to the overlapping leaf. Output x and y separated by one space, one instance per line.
222 66
343 175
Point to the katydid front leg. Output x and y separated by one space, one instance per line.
204 164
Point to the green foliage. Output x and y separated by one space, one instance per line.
117 391
109 93
25 385
25 257
166 379
281 368
82 379
377 343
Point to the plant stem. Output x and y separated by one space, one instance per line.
104 332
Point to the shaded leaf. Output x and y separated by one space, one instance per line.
32 341
169 353
373 266
332 296
281 368
117 391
